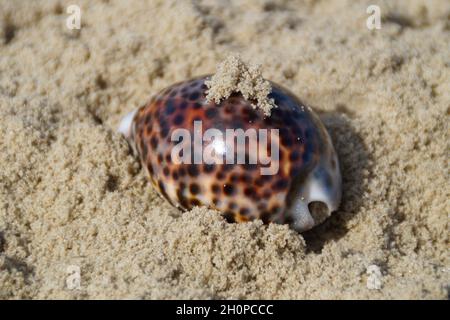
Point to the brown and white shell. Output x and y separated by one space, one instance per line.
308 174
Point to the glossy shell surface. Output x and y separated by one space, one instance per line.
308 168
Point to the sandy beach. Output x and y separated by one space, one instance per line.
79 220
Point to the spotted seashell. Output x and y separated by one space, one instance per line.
304 190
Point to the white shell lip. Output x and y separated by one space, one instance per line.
125 126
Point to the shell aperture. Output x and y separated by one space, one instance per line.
230 157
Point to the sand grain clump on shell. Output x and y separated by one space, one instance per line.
234 75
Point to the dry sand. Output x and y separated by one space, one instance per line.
72 196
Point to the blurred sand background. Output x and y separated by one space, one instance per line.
72 195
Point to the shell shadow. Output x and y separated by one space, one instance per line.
355 162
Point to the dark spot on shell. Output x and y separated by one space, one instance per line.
244 211
178 119
166 171
306 157
284 133
208 168
228 189
227 167
211 112
245 178
277 114
170 107
220 175
250 167
144 151
181 199
229 216
164 131
234 178
215 188
194 188
183 105
294 156
287 141
265 216
184 202
193 170
249 191
288 119
154 142
229 108
288 220
194 202
261 207
275 209
281 184
250 114
194 95
232 205
162 189
112 183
